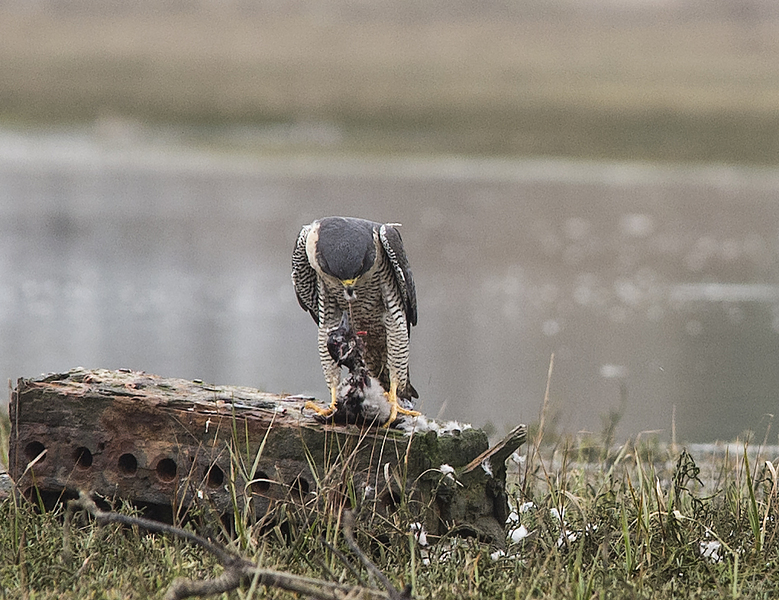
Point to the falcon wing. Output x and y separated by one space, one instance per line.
393 246
304 277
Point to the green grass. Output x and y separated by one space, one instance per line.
636 523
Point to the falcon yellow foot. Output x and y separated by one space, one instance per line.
324 412
395 408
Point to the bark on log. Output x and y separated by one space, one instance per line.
171 444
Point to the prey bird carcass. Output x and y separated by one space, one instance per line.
360 397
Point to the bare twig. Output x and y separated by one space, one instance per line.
237 569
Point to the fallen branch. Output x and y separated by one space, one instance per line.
237 569
497 454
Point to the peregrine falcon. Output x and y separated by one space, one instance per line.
344 264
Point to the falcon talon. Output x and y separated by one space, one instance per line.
321 412
408 413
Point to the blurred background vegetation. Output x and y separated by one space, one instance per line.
668 80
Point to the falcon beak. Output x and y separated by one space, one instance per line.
349 289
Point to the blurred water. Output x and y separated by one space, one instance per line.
176 262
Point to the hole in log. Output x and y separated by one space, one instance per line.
83 457
214 477
128 464
299 487
47 499
33 449
260 484
166 469
390 500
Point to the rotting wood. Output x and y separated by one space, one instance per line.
173 444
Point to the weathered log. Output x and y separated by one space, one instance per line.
171 444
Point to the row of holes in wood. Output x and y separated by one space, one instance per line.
165 470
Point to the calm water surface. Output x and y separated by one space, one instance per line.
664 280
